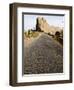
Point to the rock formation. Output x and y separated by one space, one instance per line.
42 25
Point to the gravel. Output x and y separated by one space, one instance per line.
43 55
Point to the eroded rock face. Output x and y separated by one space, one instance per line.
42 25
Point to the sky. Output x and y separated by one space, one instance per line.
30 21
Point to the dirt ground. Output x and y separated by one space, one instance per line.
42 55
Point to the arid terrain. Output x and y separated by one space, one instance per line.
43 55
43 49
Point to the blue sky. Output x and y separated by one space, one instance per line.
30 21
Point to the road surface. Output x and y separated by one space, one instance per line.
43 55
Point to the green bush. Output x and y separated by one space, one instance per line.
31 33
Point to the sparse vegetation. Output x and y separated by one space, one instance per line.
31 33
43 54
59 37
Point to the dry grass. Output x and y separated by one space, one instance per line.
30 34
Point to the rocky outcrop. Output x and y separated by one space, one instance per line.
42 25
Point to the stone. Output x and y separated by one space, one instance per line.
42 25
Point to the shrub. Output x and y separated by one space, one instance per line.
31 33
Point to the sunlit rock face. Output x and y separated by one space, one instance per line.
42 25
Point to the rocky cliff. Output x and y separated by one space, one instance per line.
42 25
